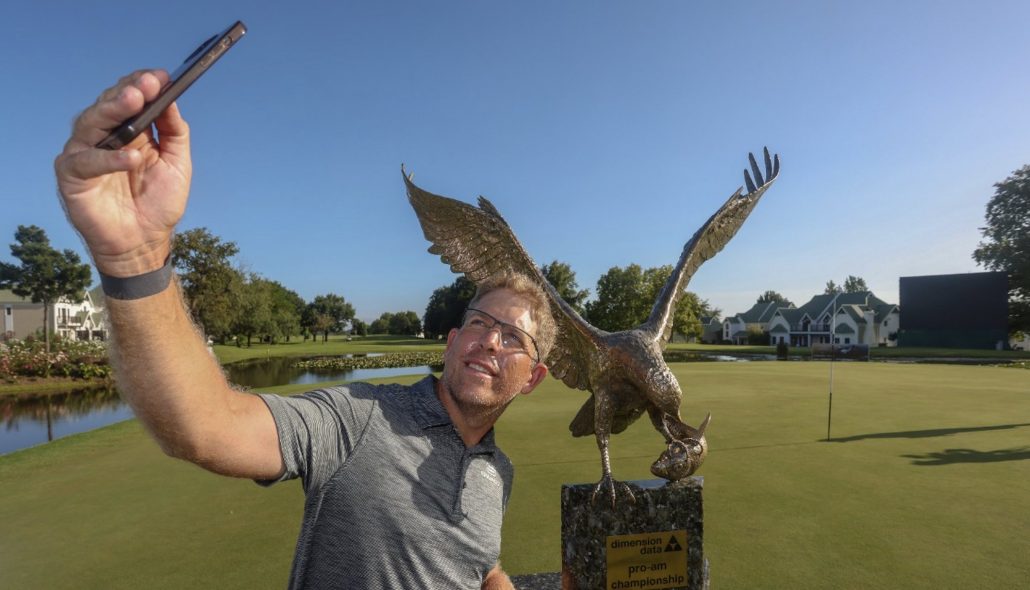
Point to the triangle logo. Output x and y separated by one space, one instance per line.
673 545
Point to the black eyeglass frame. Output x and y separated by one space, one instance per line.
502 325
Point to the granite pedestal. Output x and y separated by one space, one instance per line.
655 543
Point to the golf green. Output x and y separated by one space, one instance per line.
924 484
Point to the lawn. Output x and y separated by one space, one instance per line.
336 345
924 485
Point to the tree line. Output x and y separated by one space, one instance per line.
228 302
624 299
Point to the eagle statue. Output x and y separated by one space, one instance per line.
624 371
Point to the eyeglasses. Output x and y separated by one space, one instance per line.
513 338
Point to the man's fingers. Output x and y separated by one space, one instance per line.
173 134
98 120
118 104
93 162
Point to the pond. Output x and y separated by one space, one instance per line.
35 419
32 420
269 372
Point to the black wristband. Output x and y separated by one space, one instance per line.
139 286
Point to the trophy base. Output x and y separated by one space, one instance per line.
655 543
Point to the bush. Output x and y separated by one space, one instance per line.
68 358
782 350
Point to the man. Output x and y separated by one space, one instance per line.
405 488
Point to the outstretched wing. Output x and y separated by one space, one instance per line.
479 243
707 242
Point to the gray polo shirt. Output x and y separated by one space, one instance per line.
394 498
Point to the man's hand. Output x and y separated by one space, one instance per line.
496 579
125 203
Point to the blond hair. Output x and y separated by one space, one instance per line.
539 305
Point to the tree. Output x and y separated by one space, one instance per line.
358 327
832 288
212 287
563 279
328 313
626 296
1007 244
268 310
255 314
854 284
773 296
381 325
45 274
405 323
446 306
402 323
287 308
686 318
620 302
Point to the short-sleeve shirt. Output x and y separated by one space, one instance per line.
394 498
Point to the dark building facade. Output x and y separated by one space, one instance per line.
954 311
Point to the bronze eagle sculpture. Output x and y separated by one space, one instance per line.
624 371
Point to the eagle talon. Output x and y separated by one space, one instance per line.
608 483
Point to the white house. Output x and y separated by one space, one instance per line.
735 328
844 318
81 321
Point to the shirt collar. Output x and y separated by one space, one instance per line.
430 413
427 409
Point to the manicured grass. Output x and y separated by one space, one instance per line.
925 485
875 353
337 345
41 386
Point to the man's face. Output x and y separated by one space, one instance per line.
480 374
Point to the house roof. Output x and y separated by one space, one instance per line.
792 315
759 313
843 329
779 328
882 311
820 303
855 312
96 295
8 296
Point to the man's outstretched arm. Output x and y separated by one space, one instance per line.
125 205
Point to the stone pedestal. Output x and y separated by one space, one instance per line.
656 543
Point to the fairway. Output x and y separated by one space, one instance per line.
925 485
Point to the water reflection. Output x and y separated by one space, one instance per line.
36 419
270 372
30 420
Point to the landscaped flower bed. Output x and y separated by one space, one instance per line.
72 359
383 361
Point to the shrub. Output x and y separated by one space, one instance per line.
68 358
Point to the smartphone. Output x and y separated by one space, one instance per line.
195 65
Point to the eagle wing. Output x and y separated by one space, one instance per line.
707 242
479 243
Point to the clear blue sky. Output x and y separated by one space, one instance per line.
605 132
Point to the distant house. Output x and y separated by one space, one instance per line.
78 321
736 328
844 318
711 329
711 332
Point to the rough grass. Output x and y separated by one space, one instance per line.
924 485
